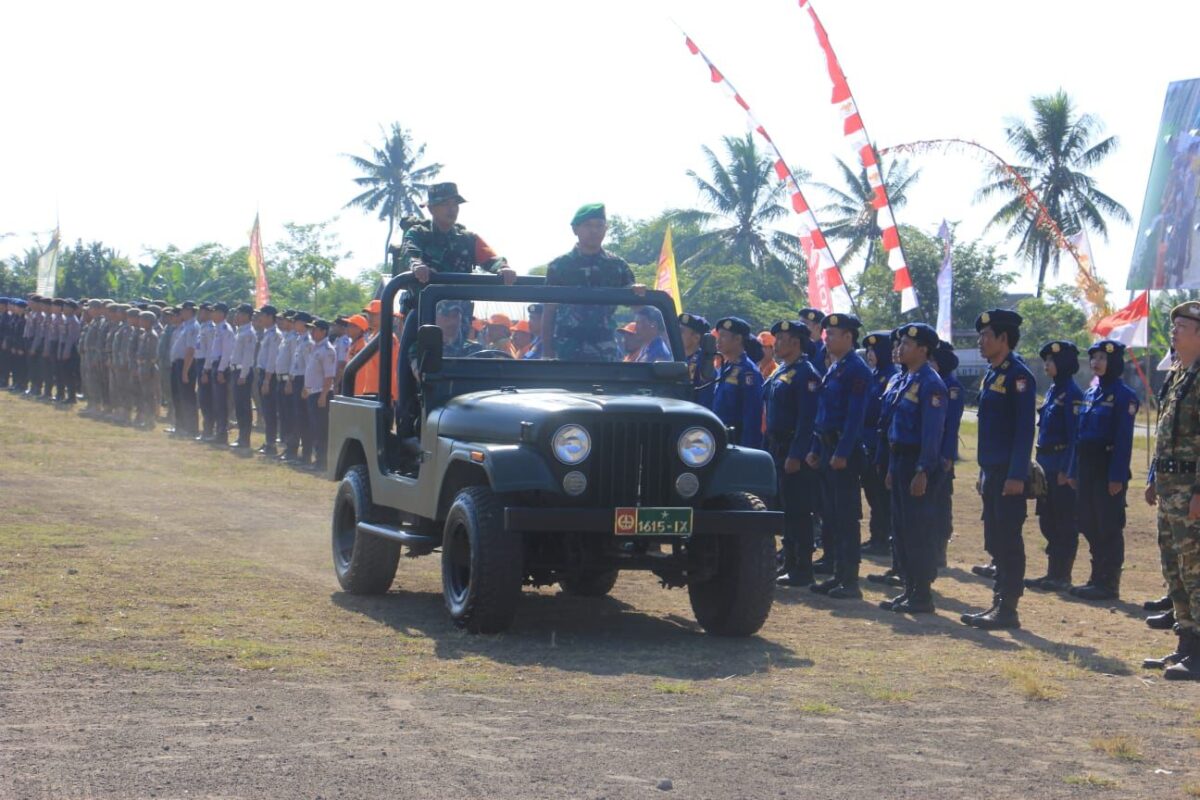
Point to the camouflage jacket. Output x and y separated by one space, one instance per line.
600 270
455 250
1179 421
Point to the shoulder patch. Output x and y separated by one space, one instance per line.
750 379
1133 409
953 393
1022 384
935 399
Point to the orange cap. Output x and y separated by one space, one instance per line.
373 307
521 327
630 328
766 338
358 321
500 319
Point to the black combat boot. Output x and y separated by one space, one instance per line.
847 588
1103 587
1003 616
919 601
890 605
1161 622
826 586
797 569
1183 648
1188 668
985 570
877 547
1161 604
966 618
1057 577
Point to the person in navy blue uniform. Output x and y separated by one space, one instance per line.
878 346
813 318
1058 419
915 468
692 328
894 575
1007 397
1100 468
947 362
737 396
838 454
790 397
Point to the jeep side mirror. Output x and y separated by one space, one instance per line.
429 349
708 351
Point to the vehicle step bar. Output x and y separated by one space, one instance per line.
399 535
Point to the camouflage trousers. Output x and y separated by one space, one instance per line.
1179 547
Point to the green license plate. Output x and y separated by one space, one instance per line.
649 521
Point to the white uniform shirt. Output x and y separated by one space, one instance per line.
243 350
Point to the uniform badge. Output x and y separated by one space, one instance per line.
833 320
935 400
1133 409
985 318
1022 384
749 378
954 394
783 326
912 331
1055 348
728 325
1108 348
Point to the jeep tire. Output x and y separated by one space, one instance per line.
482 564
364 564
737 599
589 583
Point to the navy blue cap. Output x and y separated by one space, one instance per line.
1058 346
694 322
792 326
945 358
734 325
812 315
845 322
1001 317
220 308
921 333
323 324
1110 346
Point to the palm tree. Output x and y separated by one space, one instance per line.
855 221
744 196
1055 148
394 178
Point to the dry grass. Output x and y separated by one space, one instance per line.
1120 747
818 708
1091 781
1031 685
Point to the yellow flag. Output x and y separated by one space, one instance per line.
666 280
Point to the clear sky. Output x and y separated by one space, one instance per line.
144 124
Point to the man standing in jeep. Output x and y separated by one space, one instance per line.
430 246
586 333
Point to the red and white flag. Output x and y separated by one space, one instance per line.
1130 326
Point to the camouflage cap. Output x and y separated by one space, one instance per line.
441 192
1189 310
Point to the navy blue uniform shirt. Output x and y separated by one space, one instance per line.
843 405
737 400
1058 419
956 402
919 418
1007 397
1106 417
791 396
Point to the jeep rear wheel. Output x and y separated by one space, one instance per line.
588 584
364 564
737 599
482 564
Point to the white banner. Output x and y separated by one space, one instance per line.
945 287
47 274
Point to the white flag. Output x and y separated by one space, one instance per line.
945 287
47 274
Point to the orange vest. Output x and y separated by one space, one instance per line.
367 379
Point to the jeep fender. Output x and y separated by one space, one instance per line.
743 469
509 467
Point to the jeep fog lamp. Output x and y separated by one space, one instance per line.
696 447
572 444
574 483
687 484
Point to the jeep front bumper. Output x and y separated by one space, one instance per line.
602 520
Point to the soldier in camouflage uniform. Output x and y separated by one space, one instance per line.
115 334
586 332
429 247
147 383
1174 484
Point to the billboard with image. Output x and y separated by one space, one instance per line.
1166 254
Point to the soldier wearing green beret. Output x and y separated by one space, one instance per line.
586 332
1174 485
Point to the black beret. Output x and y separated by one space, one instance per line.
302 316
812 314
876 339
695 322
734 325
1110 346
945 357
792 326
922 334
754 349
845 322
1058 346
998 316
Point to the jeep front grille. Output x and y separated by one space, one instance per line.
634 464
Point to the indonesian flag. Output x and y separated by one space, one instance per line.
666 279
1130 326
258 268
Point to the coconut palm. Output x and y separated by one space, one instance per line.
744 197
1054 150
393 178
854 214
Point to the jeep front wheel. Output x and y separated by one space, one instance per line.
482 564
736 600
364 564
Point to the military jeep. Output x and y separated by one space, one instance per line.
530 472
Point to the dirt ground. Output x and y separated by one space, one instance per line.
170 627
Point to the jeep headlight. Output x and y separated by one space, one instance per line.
571 444
696 447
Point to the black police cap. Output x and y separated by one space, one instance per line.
220 308
1110 346
1058 346
812 315
921 333
695 322
269 310
302 316
793 326
998 317
734 325
845 322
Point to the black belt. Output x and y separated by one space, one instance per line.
1170 466
906 449
1094 446
1052 449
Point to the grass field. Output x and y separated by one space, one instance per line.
170 626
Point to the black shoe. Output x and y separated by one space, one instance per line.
1000 618
1164 662
1036 583
1094 592
984 570
967 618
825 587
1161 622
888 605
914 605
1161 604
1056 585
269 452
846 590
1186 670
240 446
889 578
799 576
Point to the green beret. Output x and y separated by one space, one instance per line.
589 211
